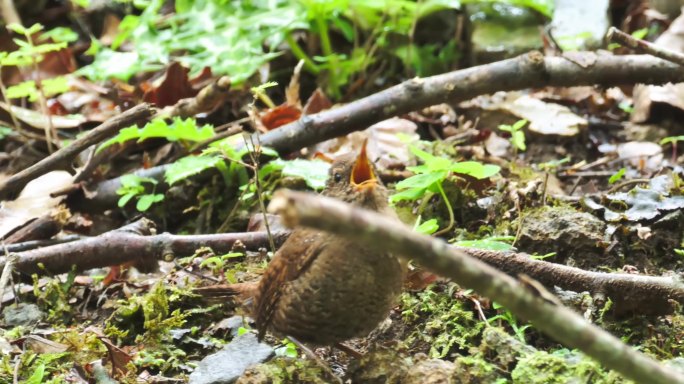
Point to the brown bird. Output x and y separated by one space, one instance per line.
323 289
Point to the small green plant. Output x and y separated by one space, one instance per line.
517 135
512 322
549 167
216 263
426 227
29 54
494 243
133 186
431 175
672 140
184 131
617 176
287 349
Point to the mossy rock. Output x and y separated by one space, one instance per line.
574 236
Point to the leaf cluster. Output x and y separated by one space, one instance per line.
434 171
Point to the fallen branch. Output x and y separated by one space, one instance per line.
526 71
642 46
62 158
132 243
652 295
558 322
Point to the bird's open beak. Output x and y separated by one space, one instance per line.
362 175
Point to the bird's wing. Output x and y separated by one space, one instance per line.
292 259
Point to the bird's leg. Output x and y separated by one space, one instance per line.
349 350
320 362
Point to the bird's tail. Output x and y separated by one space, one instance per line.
240 293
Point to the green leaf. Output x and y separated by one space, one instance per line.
314 172
6 131
492 244
37 376
640 33
188 166
411 194
423 180
55 85
671 139
123 200
60 35
432 162
146 201
428 227
23 89
179 129
476 169
617 176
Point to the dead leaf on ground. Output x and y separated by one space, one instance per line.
37 119
546 118
646 97
384 146
173 86
33 201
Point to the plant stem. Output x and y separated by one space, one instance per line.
255 159
451 212
326 47
301 55
50 131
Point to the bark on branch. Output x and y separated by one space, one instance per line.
134 242
527 71
556 321
647 295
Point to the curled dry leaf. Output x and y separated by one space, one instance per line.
546 118
39 120
384 146
173 86
280 116
34 201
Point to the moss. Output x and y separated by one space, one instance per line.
475 369
285 370
662 337
439 321
561 367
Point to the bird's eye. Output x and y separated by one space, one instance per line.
337 177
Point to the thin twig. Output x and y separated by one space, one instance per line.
642 46
6 273
254 154
626 183
61 159
557 321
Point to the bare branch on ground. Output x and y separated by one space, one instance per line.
642 46
134 242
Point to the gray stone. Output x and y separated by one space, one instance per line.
580 25
501 30
232 324
230 363
22 314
